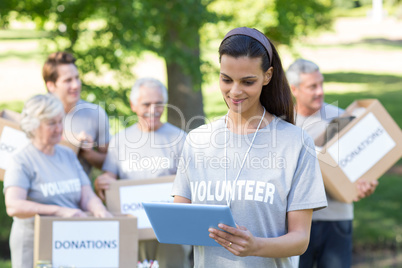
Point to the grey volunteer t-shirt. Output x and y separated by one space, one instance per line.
134 154
281 174
315 125
49 179
90 118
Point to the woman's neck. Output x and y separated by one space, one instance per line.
44 148
243 123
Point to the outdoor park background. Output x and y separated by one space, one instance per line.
359 57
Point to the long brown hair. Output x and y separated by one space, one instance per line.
276 96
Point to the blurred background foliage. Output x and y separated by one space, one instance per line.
109 37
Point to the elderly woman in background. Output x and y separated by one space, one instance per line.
44 178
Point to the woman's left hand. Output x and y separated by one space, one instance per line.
240 241
102 213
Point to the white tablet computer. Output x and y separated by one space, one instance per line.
186 224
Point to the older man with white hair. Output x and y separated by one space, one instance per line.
147 149
331 230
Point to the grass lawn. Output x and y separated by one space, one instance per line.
5 264
378 223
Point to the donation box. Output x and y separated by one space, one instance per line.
126 197
364 149
86 242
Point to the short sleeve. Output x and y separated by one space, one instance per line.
179 149
307 190
18 174
181 184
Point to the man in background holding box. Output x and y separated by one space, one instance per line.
85 124
331 231
145 150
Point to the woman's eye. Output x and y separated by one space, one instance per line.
248 83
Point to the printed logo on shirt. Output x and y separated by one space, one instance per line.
243 190
60 187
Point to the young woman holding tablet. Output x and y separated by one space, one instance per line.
254 160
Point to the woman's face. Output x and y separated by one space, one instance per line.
241 80
49 131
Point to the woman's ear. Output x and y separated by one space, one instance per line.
268 75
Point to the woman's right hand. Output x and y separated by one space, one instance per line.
70 213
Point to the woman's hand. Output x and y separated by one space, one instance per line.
70 213
240 241
102 213
90 202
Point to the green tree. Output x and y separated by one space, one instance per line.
108 36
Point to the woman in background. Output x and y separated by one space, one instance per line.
44 178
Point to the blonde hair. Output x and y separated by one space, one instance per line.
38 108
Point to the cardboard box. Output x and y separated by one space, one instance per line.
12 138
365 148
86 242
126 196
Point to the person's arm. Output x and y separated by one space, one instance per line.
365 188
17 205
241 242
181 199
90 202
94 157
102 183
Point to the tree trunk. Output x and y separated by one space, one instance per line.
184 78
185 109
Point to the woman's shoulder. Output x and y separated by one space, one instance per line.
202 134
206 130
24 153
64 150
285 126
210 126
290 131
